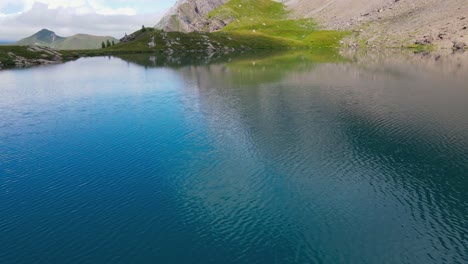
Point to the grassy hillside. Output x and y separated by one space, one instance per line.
195 42
83 41
270 19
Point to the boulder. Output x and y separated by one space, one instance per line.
152 44
425 40
442 36
458 45
127 38
428 39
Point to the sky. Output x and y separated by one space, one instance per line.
22 18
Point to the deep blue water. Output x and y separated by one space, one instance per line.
103 160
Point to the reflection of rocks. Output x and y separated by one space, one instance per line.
169 58
177 60
440 61
382 85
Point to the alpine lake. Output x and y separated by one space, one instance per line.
268 157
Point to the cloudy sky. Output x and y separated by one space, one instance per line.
22 18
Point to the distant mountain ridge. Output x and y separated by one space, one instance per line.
48 38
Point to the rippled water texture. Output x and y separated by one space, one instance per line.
277 159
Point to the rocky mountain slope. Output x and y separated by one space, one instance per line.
47 38
189 15
390 23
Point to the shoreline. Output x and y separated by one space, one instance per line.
31 56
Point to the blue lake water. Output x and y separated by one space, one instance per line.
269 159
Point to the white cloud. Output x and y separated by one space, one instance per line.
65 17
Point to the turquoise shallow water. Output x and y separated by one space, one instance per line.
261 160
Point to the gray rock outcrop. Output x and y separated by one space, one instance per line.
43 56
190 15
152 44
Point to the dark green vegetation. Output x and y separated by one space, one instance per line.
195 41
47 38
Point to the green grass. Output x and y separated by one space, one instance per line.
83 41
420 48
270 19
250 11
325 38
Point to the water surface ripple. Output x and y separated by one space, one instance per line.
269 160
